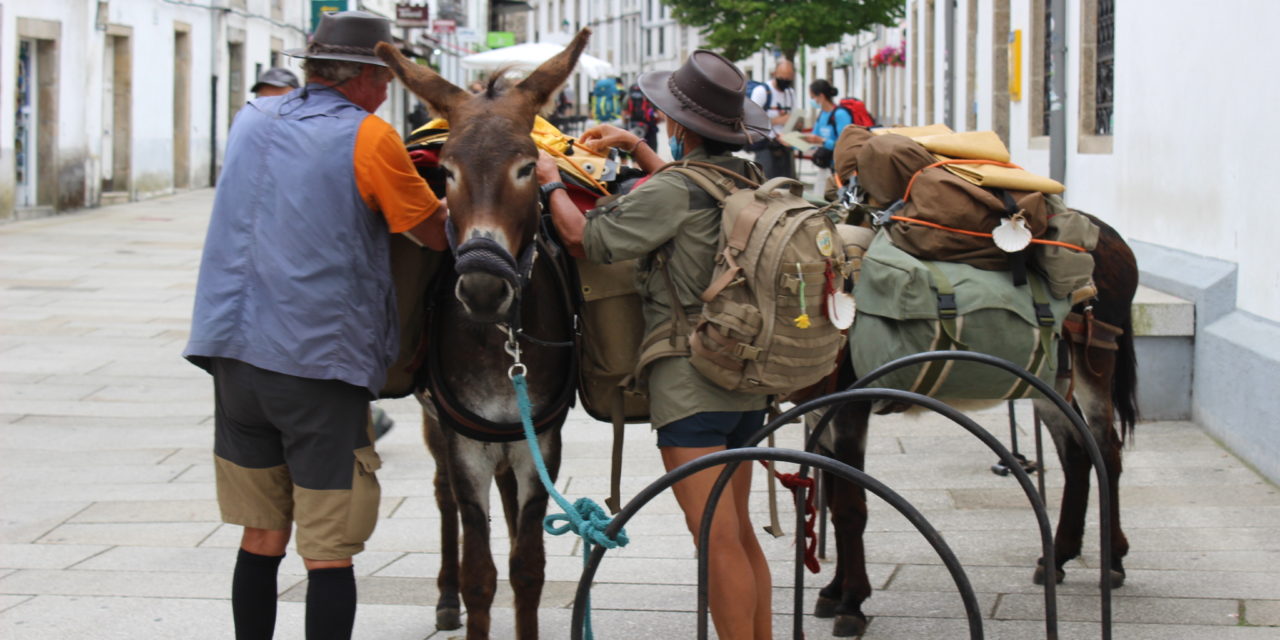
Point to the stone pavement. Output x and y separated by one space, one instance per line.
109 529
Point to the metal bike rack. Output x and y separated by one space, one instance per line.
1077 422
833 402
734 457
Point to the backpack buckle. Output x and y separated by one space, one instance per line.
947 306
744 351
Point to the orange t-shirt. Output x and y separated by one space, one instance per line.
387 179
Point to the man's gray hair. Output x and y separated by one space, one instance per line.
331 70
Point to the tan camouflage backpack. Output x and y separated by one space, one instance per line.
764 327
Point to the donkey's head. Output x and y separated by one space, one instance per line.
489 164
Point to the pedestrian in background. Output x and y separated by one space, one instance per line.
668 217
777 98
295 319
275 81
606 101
831 120
641 116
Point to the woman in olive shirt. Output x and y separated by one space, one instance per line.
708 117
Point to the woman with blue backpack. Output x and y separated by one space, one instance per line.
831 121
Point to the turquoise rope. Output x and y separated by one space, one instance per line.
583 517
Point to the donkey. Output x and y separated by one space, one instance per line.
1103 385
499 296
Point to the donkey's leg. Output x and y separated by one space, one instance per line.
528 559
471 472
1094 398
448 608
1076 468
847 441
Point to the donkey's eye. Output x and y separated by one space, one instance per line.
526 170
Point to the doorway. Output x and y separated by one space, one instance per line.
24 139
117 115
181 107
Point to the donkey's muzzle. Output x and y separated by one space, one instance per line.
486 297
487 279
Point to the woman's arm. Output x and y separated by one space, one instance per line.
569 222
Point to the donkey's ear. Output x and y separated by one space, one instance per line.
442 95
547 78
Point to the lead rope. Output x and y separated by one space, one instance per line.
584 517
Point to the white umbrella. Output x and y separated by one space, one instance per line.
526 57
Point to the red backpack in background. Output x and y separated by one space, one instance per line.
857 112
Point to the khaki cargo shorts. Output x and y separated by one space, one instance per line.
295 450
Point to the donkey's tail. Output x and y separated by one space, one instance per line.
1124 382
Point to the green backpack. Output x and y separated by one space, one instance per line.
906 305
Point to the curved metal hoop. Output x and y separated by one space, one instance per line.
833 402
1077 422
736 456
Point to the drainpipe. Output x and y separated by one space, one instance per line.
949 86
1057 93
216 14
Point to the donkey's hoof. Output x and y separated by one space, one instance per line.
849 625
1038 578
1117 578
448 618
825 607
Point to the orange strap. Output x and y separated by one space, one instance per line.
979 234
907 195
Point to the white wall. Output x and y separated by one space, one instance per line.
1193 146
81 85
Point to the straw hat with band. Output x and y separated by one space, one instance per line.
349 36
707 95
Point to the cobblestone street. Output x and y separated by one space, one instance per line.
109 526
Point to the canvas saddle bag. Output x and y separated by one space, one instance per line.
907 305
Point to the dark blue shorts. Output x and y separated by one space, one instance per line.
729 429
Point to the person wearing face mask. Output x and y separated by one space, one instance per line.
832 119
669 218
777 98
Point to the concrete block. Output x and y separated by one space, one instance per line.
23 522
1238 363
1124 608
1262 612
111 618
1156 313
147 584
46 556
163 534
9 602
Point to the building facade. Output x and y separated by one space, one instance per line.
120 100
114 101
1162 128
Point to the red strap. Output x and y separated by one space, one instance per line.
794 482
424 158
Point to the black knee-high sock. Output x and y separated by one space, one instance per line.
331 603
253 595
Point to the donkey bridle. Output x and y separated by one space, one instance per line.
488 256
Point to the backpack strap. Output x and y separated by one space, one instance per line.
1044 318
948 338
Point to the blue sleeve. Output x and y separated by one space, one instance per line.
843 119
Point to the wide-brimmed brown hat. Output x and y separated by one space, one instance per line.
708 94
347 35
